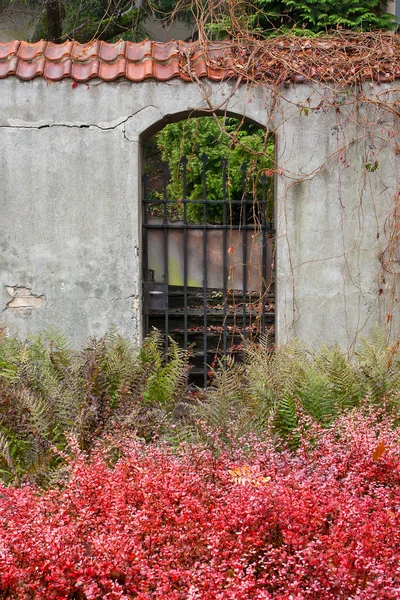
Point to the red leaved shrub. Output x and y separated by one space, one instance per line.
192 525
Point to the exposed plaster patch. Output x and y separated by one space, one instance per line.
136 318
23 300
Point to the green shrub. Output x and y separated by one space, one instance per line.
220 138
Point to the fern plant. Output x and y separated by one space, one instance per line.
167 381
308 18
275 386
49 392
379 365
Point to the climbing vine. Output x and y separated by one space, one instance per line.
351 80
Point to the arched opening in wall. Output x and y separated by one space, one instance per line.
208 238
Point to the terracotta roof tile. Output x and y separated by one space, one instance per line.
83 71
30 51
111 52
56 52
111 71
54 71
137 52
220 54
28 70
347 58
188 47
199 67
8 49
166 71
8 67
140 70
165 51
216 74
85 52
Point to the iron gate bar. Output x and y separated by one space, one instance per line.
207 201
185 259
145 181
244 245
181 226
224 164
264 251
204 161
165 221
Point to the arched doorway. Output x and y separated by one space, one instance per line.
208 238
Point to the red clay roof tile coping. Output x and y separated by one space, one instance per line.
348 58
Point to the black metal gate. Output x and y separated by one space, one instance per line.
207 281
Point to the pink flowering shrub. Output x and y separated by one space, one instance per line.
145 522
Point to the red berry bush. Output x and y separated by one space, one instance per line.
147 522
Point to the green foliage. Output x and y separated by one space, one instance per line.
110 20
166 384
358 15
379 366
85 20
372 167
224 408
300 17
240 143
277 390
49 392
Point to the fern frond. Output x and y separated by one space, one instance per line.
37 411
286 417
379 366
316 395
168 380
5 454
342 377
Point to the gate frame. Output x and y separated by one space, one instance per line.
241 229
152 127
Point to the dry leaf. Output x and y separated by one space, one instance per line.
379 451
244 475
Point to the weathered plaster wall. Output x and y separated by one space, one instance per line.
70 226
333 215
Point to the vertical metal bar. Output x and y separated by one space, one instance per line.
224 164
184 162
165 228
264 250
204 160
244 245
145 181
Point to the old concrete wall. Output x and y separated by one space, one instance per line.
70 227
335 196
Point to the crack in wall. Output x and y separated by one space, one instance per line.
112 299
78 125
